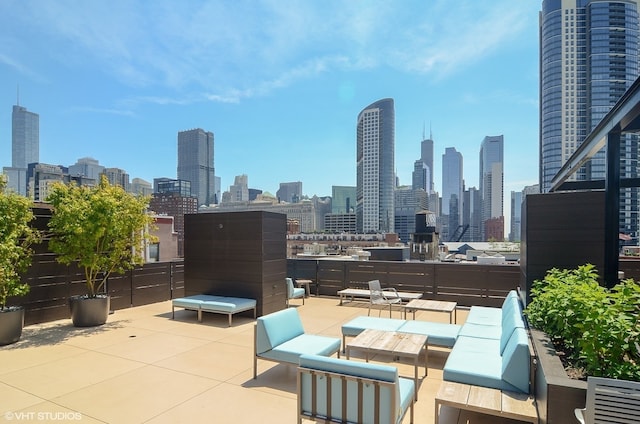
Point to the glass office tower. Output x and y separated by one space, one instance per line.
588 59
195 163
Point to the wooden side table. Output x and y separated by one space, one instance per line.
307 286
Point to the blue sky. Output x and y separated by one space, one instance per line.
280 83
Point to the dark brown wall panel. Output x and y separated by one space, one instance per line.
237 254
561 230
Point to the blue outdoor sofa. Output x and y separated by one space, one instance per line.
494 337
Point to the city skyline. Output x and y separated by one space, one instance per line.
279 85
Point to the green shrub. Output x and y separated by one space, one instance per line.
600 327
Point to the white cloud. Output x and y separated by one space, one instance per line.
240 49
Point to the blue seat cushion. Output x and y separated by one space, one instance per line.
481 331
228 304
439 334
193 302
276 328
516 360
359 324
476 368
478 362
298 292
290 350
484 315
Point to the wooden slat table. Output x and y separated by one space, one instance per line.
432 305
307 286
366 294
499 403
393 343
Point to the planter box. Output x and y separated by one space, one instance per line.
557 395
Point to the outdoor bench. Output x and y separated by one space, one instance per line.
338 390
216 304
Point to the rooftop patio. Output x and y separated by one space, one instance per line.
144 367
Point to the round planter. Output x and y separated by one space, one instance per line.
89 312
11 323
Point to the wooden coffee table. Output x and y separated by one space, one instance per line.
397 344
432 305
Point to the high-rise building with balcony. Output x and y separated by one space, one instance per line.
492 178
25 147
375 172
588 59
195 163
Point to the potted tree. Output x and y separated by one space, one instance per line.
103 229
16 237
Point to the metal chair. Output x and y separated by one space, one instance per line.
610 401
378 296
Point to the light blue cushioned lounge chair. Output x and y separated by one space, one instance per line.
294 292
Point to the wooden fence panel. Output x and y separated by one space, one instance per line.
151 283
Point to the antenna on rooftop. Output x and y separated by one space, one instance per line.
423 125
18 95
430 132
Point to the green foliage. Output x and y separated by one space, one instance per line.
102 228
16 237
600 326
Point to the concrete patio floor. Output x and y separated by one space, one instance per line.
144 367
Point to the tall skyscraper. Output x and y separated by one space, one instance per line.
195 163
472 215
25 137
492 178
426 156
375 160
452 190
420 176
588 59
25 147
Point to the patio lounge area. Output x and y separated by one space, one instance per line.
144 367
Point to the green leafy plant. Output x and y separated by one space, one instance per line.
16 237
102 228
600 327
